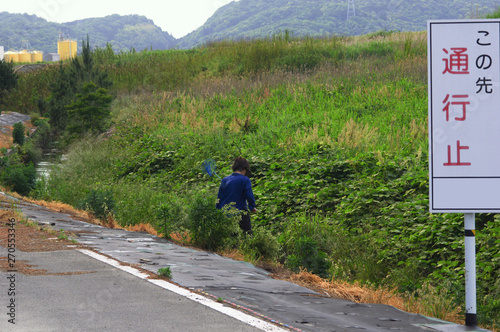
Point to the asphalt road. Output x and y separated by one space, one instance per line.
83 290
80 293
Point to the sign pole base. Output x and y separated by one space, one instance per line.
471 320
470 270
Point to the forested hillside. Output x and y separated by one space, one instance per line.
122 32
262 18
243 19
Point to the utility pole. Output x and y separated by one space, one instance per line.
351 10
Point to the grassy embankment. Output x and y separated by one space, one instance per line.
336 132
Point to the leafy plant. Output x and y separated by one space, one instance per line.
100 202
80 88
19 177
211 228
165 272
168 216
306 255
62 235
262 245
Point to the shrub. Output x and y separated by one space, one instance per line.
18 133
306 255
40 191
168 215
99 202
261 245
300 61
20 178
41 136
211 228
31 153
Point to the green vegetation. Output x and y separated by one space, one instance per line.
210 228
99 202
165 272
9 78
335 130
79 99
18 133
16 175
62 235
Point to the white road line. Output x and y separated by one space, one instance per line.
247 319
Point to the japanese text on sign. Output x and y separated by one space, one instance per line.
464 123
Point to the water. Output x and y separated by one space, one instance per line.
49 161
43 169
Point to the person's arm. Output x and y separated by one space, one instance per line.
249 196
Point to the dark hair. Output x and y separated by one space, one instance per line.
241 164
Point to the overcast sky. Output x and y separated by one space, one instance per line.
178 17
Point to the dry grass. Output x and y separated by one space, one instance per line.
147 228
355 135
30 237
429 301
182 238
61 207
6 137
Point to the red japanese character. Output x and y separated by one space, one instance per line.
463 103
458 61
459 162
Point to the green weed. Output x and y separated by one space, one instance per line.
165 272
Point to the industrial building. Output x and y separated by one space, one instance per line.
23 56
51 57
66 49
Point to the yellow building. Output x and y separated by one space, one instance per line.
23 56
66 49
36 56
10 56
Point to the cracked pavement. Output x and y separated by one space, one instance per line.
240 284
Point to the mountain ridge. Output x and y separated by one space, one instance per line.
243 19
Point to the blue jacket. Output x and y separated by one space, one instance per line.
236 188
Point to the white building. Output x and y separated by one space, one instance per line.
51 57
1 53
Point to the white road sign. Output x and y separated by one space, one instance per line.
464 115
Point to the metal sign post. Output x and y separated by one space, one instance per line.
464 128
470 270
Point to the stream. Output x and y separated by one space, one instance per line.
44 167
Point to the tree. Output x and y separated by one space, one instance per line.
68 87
18 133
90 111
8 78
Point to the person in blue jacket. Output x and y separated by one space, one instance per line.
237 189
